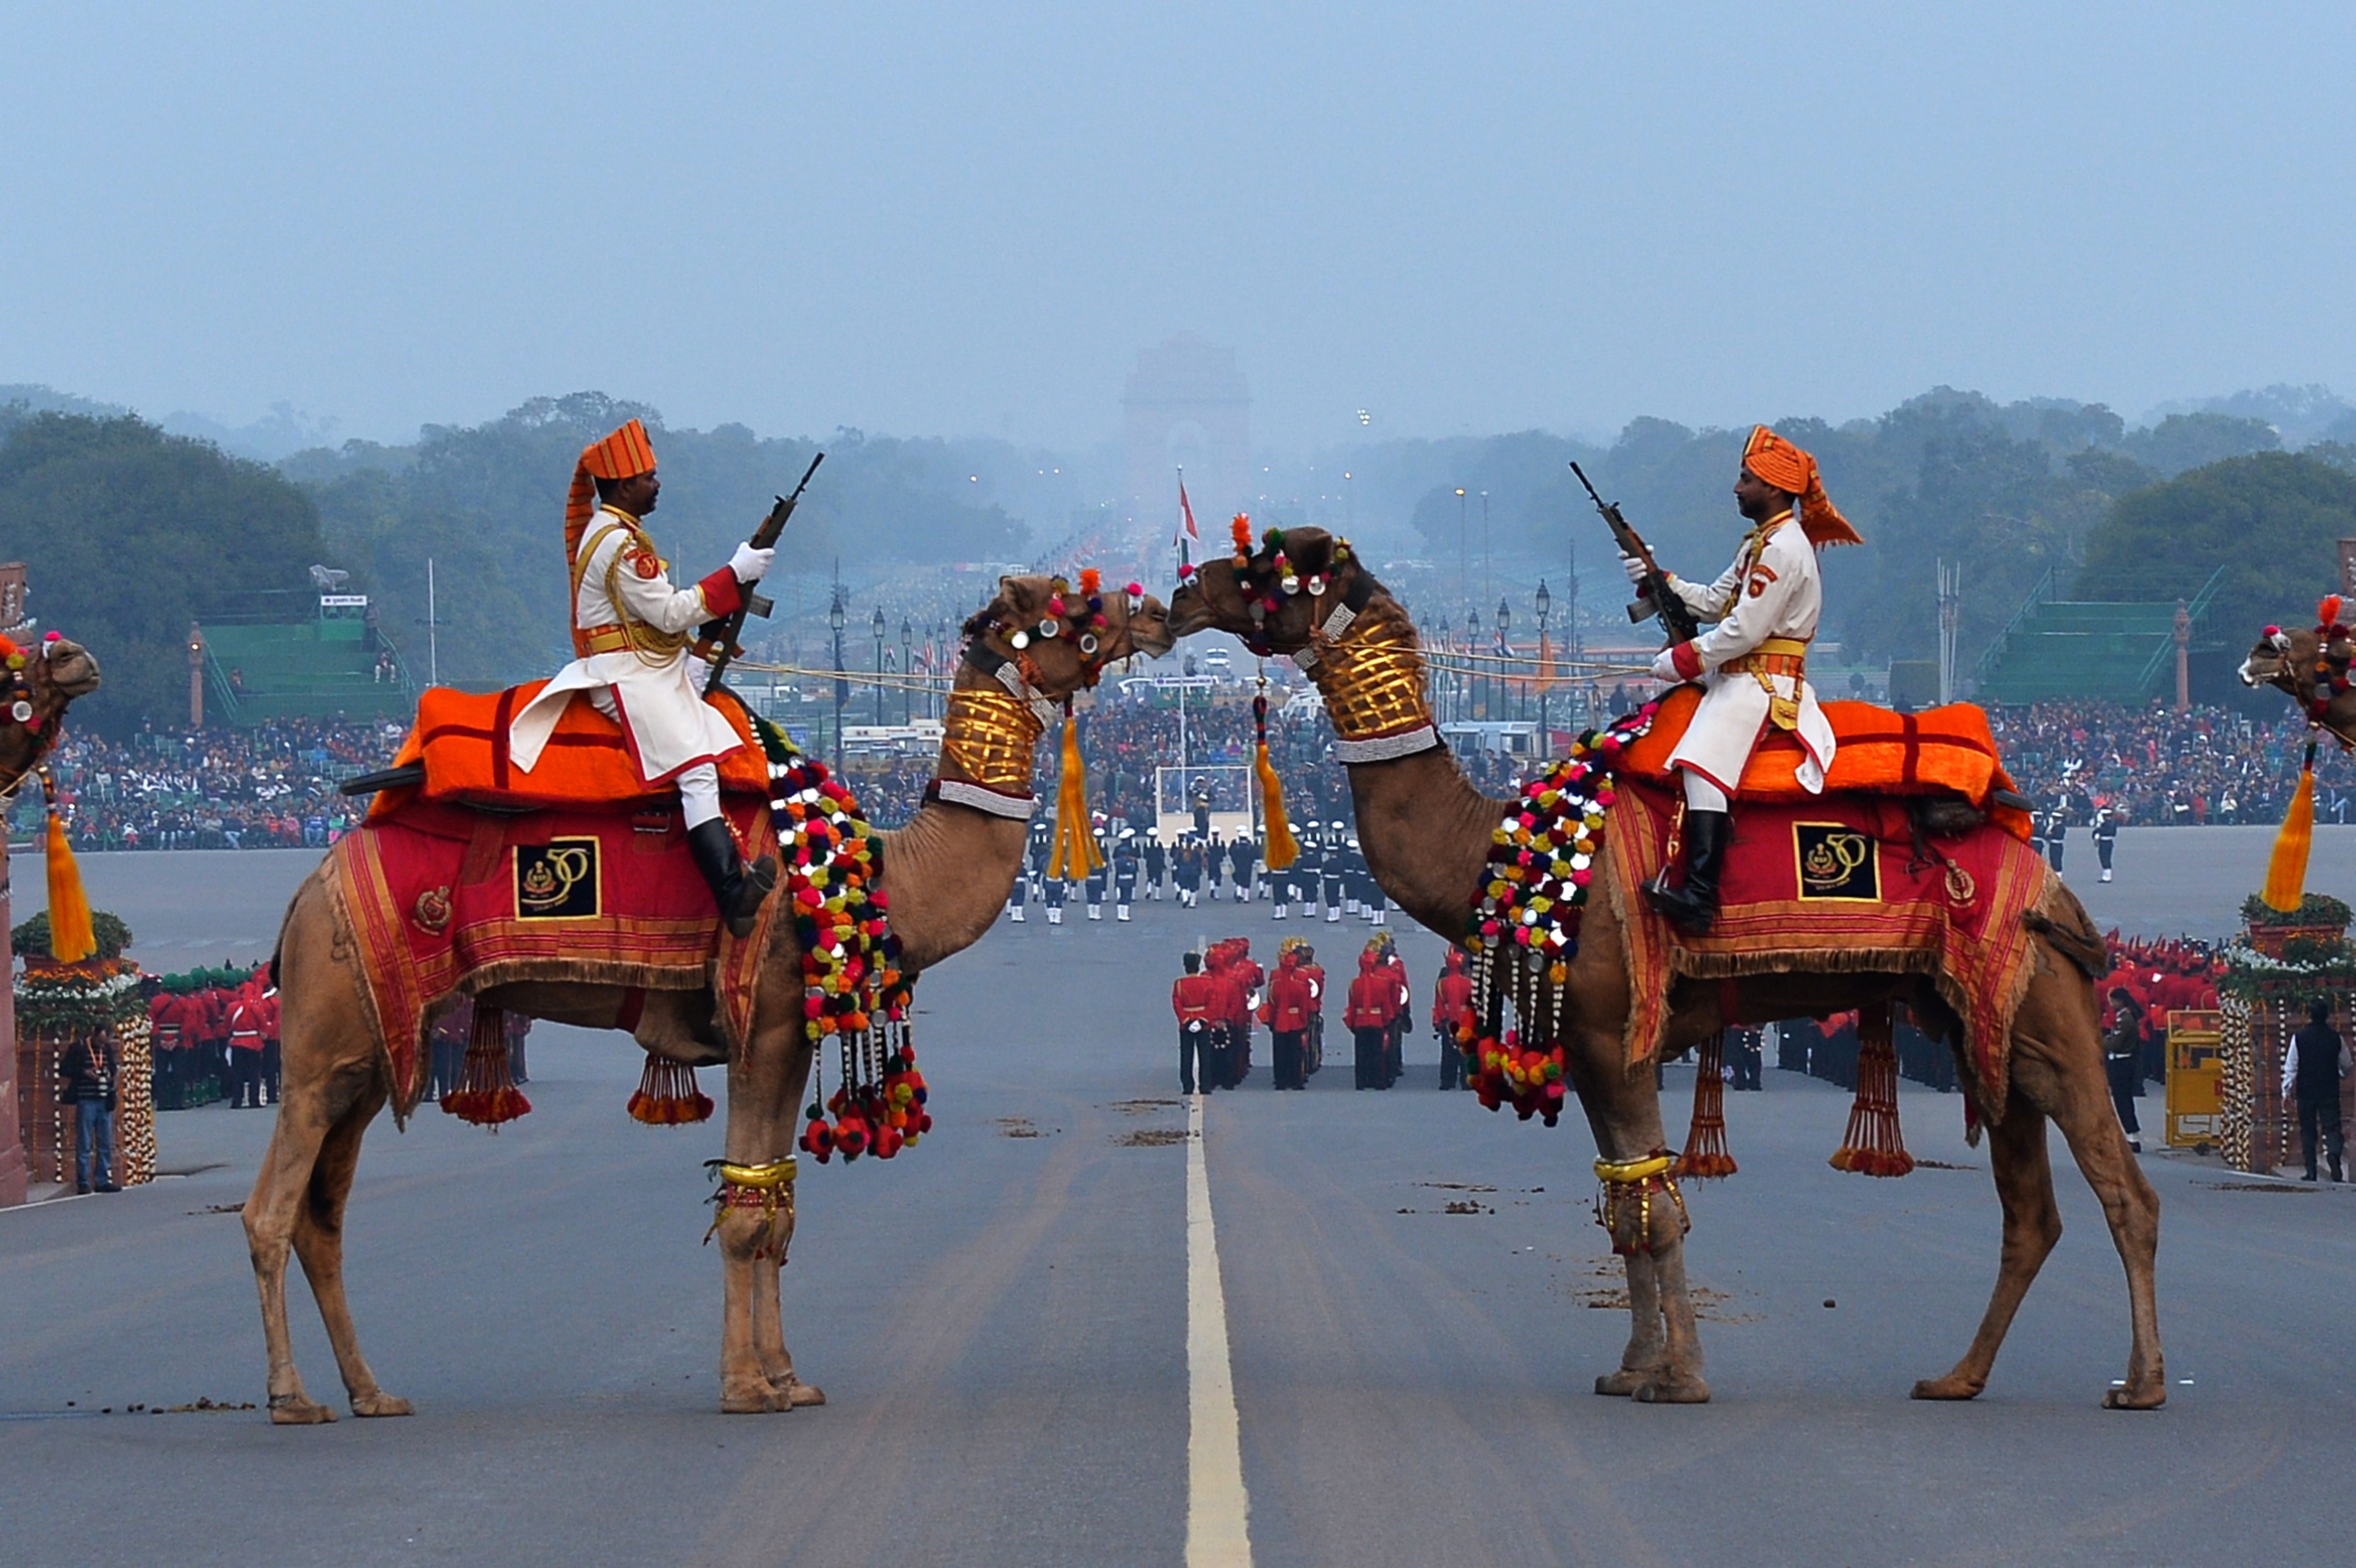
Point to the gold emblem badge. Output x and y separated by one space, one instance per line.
557 880
432 911
1836 861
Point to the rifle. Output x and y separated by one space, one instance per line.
716 639
1654 596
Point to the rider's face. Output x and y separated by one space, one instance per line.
1758 500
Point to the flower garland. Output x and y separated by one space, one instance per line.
852 986
52 996
1525 926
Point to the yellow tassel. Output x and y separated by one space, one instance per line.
2287 870
70 939
1076 855
1282 850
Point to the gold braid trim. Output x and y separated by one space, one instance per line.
990 736
1632 1169
1372 679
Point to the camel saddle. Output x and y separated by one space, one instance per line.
461 741
1940 751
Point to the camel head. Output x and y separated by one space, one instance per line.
1047 625
2311 667
1253 601
55 672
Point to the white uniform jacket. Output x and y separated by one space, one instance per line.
623 595
1772 590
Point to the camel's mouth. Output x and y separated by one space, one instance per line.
1150 631
1190 611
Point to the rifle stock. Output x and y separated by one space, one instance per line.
1655 599
717 638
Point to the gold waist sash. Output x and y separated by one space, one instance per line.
627 636
1774 656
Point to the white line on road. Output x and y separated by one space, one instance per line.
1218 1510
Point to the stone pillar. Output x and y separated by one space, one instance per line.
12 1144
196 676
2184 658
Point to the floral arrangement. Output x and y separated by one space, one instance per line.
2318 909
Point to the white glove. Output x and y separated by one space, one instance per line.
750 564
1665 667
1634 569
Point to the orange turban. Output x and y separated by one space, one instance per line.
1788 468
624 452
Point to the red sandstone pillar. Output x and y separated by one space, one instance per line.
12 1144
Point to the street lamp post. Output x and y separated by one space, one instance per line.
907 669
1488 578
879 667
1464 551
1473 706
1448 681
1505 622
834 621
1545 731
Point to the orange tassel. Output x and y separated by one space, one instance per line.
71 939
1705 1155
1874 1146
668 1094
486 1094
1076 855
2287 867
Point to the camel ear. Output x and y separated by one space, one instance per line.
1314 553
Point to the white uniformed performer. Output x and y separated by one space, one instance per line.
1752 666
631 629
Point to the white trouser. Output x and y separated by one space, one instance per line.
699 786
1700 793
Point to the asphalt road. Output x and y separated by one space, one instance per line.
1000 1319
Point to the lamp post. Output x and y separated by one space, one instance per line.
1463 553
1473 694
907 669
834 621
879 667
1488 580
1505 622
1448 682
1545 731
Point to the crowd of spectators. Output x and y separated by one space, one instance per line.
275 785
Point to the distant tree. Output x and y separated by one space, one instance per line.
2272 521
2182 441
130 534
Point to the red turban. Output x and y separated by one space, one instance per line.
620 456
1789 469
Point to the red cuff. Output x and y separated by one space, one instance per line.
723 594
1687 661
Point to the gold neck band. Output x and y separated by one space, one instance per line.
1372 679
989 736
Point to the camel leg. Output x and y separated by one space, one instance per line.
319 1243
757 1373
2024 1185
1663 1360
2082 1108
281 1189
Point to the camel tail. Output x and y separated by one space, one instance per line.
2073 935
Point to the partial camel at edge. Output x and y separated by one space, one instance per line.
1426 834
947 873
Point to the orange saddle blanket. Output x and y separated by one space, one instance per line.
461 737
1940 750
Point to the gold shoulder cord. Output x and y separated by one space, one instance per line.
652 645
1372 679
990 736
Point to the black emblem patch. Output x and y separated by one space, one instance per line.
557 880
1836 861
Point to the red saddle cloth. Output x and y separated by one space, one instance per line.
1878 750
461 738
1834 885
445 898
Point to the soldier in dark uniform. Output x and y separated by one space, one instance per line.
2317 1059
2122 1060
1337 870
1243 861
1057 890
1746 1053
2106 838
1124 874
1157 859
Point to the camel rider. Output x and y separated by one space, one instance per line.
1752 666
630 633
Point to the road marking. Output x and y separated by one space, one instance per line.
1218 1510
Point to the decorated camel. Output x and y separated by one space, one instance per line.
1444 851
37 683
763 1011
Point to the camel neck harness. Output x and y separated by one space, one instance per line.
1370 671
989 736
1523 928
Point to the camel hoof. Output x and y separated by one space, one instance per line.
1674 1391
381 1403
1622 1383
754 1399
294 1410
797 1393
2150 1398
1949 1387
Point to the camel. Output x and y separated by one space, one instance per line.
948 873
2285 659
1426 833
57 672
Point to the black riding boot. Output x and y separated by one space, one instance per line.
1692 908
736 887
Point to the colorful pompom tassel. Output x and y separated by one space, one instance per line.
1874 1146
1705 1155
486 1094
70 937
1076 855
2287 870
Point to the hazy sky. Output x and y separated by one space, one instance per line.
965 219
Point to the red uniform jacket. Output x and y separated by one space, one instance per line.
1316 974
1449 997
1289 1008
1195 997
1373 1000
